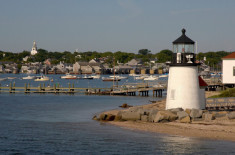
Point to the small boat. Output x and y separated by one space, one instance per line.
118 77
95 76
141 77
11 78
2 79
68 76
110 79
87 77
151 78
28 77
42 78
163 76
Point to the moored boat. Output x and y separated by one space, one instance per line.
151 78
42 78
68 76
28 77
110 79
95 76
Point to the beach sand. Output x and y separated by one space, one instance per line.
219 129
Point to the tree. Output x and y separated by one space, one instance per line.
164 55
144 51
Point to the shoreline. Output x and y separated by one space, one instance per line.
218 129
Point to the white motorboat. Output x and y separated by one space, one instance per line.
163 76
87 77
141 77
28 77
42 78
118 77
95 76
2 79
151 78
68 76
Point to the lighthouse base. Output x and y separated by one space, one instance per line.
183 89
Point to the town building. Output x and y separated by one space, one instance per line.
228 69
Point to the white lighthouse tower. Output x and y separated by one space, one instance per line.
183 89
34 49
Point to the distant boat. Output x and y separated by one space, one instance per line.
11 78
42 78
163 75
110 79
151 78
87 77
95 76
28 77
68 76
2 79
118 77
141 77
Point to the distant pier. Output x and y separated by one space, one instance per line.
136 89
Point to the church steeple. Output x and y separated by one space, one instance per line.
34 49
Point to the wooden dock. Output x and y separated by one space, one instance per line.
142 89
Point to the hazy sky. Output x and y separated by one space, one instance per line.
115 25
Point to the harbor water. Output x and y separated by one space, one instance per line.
62 124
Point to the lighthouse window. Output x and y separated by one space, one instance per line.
172 95
233 70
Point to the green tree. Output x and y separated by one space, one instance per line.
164 55
144 51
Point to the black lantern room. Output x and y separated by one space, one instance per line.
183 51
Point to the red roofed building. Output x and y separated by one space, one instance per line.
228 69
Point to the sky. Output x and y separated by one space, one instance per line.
115 25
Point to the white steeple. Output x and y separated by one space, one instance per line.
34 49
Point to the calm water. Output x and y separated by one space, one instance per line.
62 124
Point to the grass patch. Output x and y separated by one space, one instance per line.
230 92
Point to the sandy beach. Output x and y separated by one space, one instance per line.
218 129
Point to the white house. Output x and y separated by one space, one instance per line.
228 69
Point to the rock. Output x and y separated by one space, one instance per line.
175 110
219 114
188 111
127 115
125 105
208 117
231 115
196 113
165 115
185 120
103 116
181 114
152 114
135 109
110 117
118 117
144 118
95 118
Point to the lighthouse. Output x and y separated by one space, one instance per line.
183 90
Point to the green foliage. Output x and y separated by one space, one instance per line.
212 58
164 55
230 92
144 51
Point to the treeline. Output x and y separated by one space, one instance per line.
122 57
212 58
